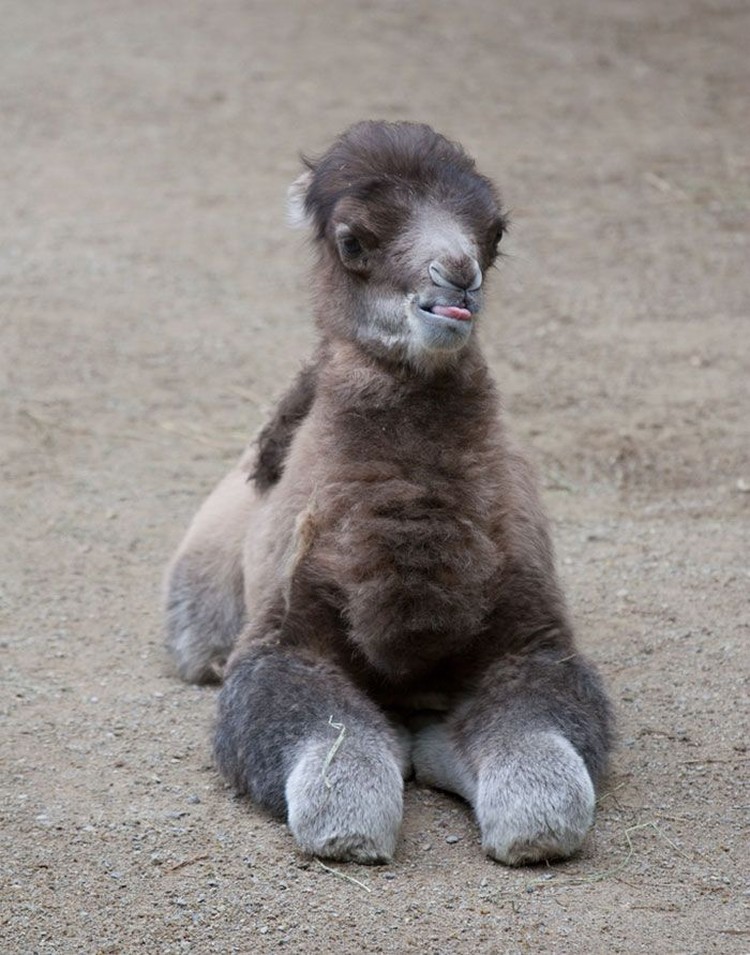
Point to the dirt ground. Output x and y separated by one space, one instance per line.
154 305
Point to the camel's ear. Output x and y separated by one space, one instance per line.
296 214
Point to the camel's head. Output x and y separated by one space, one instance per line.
407 229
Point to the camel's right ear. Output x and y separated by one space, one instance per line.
296 214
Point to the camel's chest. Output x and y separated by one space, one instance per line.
413 562
401 530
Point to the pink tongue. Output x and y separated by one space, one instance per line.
452 311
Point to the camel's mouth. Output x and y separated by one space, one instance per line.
440 326
453 313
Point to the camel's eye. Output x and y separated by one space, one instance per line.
350 246
494 239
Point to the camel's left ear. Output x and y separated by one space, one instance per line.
296 214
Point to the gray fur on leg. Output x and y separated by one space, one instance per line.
346 803
534 802
298 737
437 764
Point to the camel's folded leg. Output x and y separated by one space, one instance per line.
204 584
302 741
526 750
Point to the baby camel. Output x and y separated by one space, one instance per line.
375 582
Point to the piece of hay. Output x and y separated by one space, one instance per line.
343 875
333 750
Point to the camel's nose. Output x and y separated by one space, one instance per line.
464 275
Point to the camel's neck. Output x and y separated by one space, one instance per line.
456 405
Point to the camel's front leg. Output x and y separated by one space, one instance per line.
526 750
303 742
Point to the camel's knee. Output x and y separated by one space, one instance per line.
535 802
304 742
205 605
205 612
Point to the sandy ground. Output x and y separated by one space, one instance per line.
154 305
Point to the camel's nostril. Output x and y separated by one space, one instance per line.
438 276
476 282
464 277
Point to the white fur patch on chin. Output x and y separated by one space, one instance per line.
399 334
433 346
536 802
349 809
